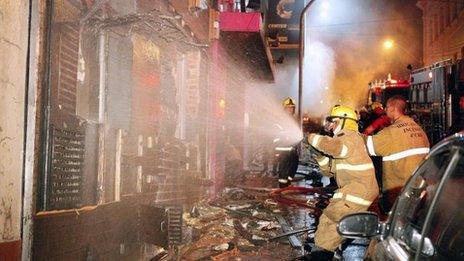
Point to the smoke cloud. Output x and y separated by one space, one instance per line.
319 73
344 49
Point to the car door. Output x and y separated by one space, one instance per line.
409 215
444 230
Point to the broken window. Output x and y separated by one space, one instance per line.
125 93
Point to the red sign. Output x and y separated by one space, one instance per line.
239 22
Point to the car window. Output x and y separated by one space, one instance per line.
446 226
413 203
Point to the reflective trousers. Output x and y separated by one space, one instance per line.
288 165
327 236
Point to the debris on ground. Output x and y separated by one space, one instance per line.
246 223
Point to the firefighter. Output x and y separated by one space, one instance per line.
234 162
403 145
344 157
287 154
380 121
289 106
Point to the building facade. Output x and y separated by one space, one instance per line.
443 36
13 59
111 110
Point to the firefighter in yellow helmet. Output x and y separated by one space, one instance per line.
289 105
343 156
286 153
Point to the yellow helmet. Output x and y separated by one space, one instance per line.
347 115
288 102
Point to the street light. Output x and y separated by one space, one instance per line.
388 44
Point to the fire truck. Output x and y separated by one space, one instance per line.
434 97
432 92
382 90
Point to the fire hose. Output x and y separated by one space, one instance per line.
314 205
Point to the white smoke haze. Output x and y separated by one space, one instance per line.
342 55
347 43
318 77
286 77
270 119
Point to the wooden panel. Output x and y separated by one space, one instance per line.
10 251
95 232
68 59
153 225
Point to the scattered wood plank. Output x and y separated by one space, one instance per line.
294 232
294 241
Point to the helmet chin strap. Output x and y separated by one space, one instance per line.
339 127
343 124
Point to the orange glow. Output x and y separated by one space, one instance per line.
222 104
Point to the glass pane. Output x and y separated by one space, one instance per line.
413 203
446 228
70 154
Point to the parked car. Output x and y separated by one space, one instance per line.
427 221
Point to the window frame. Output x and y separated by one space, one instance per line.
455 154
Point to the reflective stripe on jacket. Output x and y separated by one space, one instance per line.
347 159
403 145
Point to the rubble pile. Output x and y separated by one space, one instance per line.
252 179
241 224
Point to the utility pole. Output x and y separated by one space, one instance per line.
301 60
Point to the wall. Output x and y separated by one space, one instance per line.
92 233
140 98
13 51
443 30
196 19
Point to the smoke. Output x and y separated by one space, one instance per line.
270 119
318 75
342 55
351 82
344 49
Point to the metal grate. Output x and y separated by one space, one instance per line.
175 225
65 179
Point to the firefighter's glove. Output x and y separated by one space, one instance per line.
308 146
321 204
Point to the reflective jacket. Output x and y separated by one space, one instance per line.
403 145
378 124
350 164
